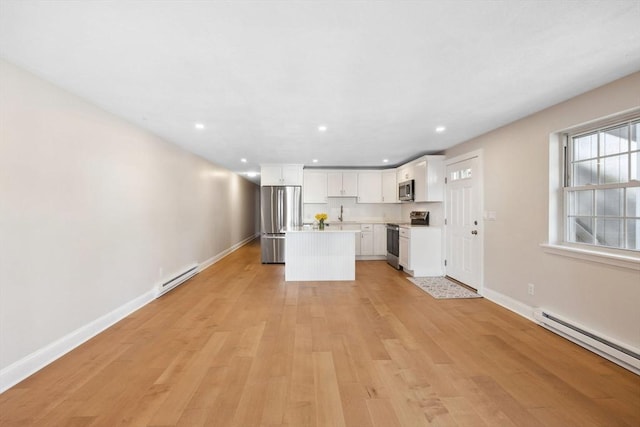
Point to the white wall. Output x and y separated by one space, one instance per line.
516 181
95 212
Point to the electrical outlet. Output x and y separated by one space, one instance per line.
531 289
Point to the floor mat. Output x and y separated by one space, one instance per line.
442 288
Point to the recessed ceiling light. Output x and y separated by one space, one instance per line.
440 129
322 128
252 174
385 160
243 160
315 160
199 126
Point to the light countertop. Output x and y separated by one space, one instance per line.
361 221
327 229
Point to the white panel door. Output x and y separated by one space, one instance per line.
463 216
270 175
370 187
389 187
291 175
334 184
315 187
380 237
350 184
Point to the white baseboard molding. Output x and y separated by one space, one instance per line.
371 257
27 366
209 262
509 303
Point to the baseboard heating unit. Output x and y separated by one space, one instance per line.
177 280
615 352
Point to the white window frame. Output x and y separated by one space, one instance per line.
570 186
557 243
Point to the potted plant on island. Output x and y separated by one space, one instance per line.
321 217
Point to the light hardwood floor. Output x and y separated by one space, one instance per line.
237 346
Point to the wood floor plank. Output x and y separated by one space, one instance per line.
238 346
327 392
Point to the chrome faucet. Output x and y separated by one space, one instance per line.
340 218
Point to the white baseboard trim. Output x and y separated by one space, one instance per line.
27 366
371 257
509 303
209 262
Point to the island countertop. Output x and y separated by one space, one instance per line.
332 229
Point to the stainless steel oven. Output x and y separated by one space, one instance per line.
393 245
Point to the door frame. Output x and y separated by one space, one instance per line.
478 154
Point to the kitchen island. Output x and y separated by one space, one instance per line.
319 255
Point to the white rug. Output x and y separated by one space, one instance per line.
442 288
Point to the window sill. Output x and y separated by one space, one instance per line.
624 261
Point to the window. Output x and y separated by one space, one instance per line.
602 188
461 174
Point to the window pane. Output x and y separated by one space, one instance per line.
614 140
609 232
607 161
633 202
633 234
609 202
581 203
614 169
585 147
585 173
580 230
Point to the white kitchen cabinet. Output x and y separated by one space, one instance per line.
421 251
281 175
342 184
429 179
389 187
314 189
366 239
403 248
370 187
380 239
405 173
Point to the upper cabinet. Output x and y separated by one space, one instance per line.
315 187
281 175
389 187
342 184
370 187
405 172
429 179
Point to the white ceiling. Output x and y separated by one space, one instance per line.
263 75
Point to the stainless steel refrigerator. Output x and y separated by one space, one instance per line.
281 208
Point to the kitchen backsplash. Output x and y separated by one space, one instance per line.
352 211
363 212
436 211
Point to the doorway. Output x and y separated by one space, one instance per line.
463 220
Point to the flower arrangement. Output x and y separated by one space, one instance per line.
321 217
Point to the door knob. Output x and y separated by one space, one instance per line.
474 232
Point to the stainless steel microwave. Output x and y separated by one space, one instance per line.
405 191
